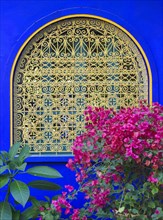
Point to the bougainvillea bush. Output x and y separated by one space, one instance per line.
118 164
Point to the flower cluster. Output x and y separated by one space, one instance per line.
118 164
62 202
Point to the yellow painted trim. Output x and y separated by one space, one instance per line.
62 18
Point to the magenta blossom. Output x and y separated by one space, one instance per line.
69 188
157 212
152 179
116 150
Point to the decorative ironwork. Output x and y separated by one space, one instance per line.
65 67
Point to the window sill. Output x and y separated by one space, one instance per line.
48 158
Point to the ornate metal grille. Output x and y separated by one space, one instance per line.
65 67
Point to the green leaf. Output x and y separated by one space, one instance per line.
1 162
16 215
56 197
135 197
2 169
44 171
5 211
129 187
146 185
46 205
120 210
5 154
14 150
151 205
22 167
35 202
143 217
154 190
30 213
12 208
20 192
45 185
13 165
49 217
4 180
160 177
135 211
24 153
112 168
47 198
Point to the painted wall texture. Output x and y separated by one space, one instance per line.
20 18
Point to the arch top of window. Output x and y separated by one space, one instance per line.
63 67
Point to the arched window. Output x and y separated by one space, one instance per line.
65 66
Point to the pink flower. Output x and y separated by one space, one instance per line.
88 143
157 212
94 182
152 179
56 205
67 211
41 208
115 178
70 164
69 188
155 166
75 215
87 197
111 146
147 162
99 174
62 202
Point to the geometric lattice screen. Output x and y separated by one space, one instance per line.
66 66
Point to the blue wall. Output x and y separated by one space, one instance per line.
20 18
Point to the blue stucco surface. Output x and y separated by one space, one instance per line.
20 18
